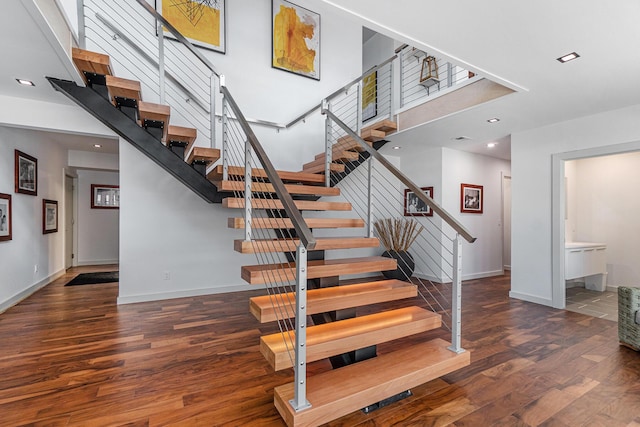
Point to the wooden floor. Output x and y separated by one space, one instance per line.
70 357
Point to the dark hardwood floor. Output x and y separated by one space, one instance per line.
71 357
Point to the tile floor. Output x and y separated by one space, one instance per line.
603 305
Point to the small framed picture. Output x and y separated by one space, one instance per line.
414 206
105 196
26 174
49 216
471 198
5 217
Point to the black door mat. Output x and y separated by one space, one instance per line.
94 278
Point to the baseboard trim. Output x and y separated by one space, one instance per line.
530 298
132 299
482 275
103 262
24 294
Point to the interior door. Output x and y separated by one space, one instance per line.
506 221
68 221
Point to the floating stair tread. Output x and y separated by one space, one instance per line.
387 126
280 272
342 336
262 187
155 112
334 167
372 135
182 134
308 178
269 308
348 143
340 155
336 393
123 88
284 223
290 245
307 205
203 154
92 62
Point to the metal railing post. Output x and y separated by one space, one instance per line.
82 32
328 148
247 190
161 82
359 108
449 74
369 197
300 401
391 90
212 110
225 135
456 297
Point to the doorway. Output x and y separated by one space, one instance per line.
506 222
69 221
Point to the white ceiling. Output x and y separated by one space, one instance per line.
515 43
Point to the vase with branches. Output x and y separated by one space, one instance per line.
397 235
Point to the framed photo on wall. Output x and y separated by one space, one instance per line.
413 206
105 196
370 96
202 22
26 173
471 198
49 216
5 217
295 39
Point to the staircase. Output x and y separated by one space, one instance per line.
273 206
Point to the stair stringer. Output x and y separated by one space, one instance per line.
103 110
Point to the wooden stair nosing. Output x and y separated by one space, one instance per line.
290 245
307 205
333 167
329 299
342 336
308 178
92 62
265 273
155 112
338 392
387 126
264 187
340 155
285 223
182 134
203 154
124 88
373 135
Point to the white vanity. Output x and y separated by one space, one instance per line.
586 260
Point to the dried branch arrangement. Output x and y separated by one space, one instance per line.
397 233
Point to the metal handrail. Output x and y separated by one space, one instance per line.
149 59
178 36
459 228
304 233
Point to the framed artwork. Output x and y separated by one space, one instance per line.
26 174
5 217
202 22
471 198
295 39
49 216
413 206
105 196
370 96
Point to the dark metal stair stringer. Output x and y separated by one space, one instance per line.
103 110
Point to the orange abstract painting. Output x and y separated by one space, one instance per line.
296 39
200 21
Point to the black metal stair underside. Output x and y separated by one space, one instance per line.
120 123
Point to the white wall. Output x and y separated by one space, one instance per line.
30 248
98 229
606 210
532 189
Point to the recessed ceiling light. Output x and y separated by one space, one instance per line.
494 120
395 147
25 82
568 57
492 144
97 145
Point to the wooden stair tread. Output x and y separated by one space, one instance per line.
91 62
284 223
372 135
203 154
333 167
265 309
336 393
342 336
316 190
340 155
123 88
281 272
290 245
183 135
387 126
155 112
307 205
308 178
348 143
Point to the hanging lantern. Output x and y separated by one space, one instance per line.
429 73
